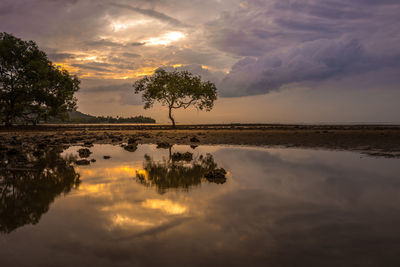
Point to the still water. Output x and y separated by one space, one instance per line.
148 207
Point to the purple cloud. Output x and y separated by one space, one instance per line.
285 42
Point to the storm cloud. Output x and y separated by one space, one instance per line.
284 42
310 61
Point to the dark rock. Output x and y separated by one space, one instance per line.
187 156
84 152
216 176
194 140
38 153
13 151
221 172
164 145
82 162
106 157
15 142
87 144
131 147
193 146
132 141
93 160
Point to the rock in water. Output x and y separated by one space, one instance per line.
163 145
216 176
131 147
82 162
84 152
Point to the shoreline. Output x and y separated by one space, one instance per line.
249 126
374 140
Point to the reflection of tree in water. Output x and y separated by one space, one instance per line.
181 171
29 182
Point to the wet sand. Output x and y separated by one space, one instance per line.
368 139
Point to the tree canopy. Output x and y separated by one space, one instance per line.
31 87
176 89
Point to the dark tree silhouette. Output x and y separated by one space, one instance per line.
29 183
31 87
178 172
176 89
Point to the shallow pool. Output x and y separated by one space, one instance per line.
154 207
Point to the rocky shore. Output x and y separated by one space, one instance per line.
373 140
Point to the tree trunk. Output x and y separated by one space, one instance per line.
171 118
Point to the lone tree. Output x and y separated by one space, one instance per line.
31 87
176 89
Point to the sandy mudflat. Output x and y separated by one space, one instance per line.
369 139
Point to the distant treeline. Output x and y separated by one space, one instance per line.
108 119
79 117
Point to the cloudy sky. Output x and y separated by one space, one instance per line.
287 61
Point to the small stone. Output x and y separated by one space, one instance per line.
87 144
82 162
106 157
41 146
132 141
131 147
84 152
194 140
13 151
163 145
216 176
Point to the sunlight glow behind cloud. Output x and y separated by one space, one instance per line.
165 39
123 25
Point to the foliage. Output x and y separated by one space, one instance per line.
31 87
176 89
